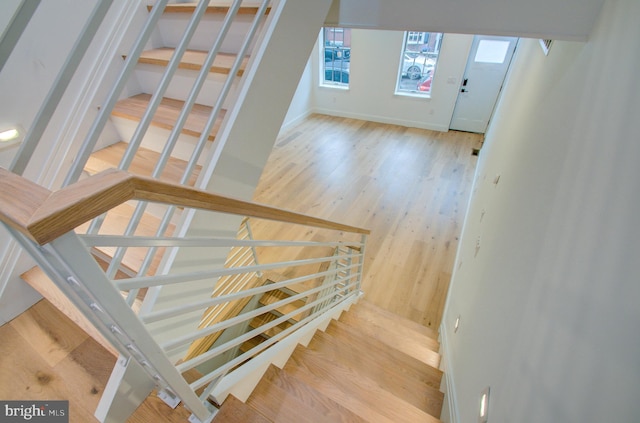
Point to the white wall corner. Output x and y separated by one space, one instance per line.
15 295
450 408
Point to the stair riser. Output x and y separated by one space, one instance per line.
149 76
155 138
172 26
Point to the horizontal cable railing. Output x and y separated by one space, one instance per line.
271 288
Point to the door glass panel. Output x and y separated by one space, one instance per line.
492 51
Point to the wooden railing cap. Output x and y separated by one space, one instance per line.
43 215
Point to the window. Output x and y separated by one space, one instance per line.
336 47
418 62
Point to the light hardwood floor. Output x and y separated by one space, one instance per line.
409 186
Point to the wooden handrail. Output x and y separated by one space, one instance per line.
43 215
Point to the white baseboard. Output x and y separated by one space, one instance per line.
449 382
384 119
293 122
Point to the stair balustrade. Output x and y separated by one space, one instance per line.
320 285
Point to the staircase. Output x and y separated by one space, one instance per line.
366 359
369 365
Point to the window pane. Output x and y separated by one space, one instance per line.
336 45
491 51
418 62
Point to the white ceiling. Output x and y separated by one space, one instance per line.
550 19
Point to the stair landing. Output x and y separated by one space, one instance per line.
346 374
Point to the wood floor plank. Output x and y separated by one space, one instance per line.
79 377
409 186
85 372
53 341
193 60
26 375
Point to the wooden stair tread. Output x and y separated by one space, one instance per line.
142 164
193 60
133 108
221 312
265 318
431 376
417 346
277 295
393 319
235 411
386 374
352 390
251 343
296 401
115 223
219 8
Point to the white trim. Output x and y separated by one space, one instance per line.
450 394
19 302
383 119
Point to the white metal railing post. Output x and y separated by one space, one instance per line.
363 243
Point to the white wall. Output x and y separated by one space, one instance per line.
25 81
375 61
302 103
549 303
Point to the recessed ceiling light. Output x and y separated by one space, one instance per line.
9 134
483 416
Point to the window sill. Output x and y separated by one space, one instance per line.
415 95
335 86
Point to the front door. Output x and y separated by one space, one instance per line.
484 75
